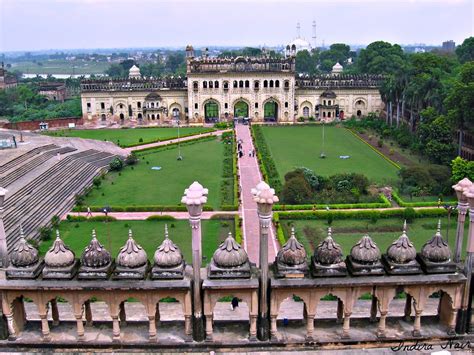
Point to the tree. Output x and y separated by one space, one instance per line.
380 58
460 101
296 191
465 51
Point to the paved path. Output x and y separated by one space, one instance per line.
250 176
169 141
145 215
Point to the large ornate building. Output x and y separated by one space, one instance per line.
216 89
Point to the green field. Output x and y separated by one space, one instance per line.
130 136
148 234
348 232
61 66
139 185
293 147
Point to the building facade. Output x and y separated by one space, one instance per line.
220 89
6 81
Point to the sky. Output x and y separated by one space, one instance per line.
70 24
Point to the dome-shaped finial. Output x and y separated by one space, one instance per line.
436 249
168 254
95 255
402 250
59 255
230 253
365 251
24 254
131 255
293 252
328 252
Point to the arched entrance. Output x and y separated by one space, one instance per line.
270 111
211 111
241 110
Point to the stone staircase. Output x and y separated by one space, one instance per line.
51 193
24 157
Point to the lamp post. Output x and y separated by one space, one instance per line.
176 117
463 206
450 210
106 211
466 306
194 198
4 260
265 197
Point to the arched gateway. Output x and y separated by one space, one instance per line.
241 109
211 111
270 111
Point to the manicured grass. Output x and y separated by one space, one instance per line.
148 234
61 66
348 232
130 136
203 162
293 147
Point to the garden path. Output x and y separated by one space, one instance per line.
250 176
169 141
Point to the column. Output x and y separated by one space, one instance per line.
195 197
80 326
253 327
417 323
465 313
346 325
209 329
265 197
463 206
152 328
309 326
273 326
45 326
116 328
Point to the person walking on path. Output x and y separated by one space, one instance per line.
89 213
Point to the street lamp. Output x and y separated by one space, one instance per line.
265 197
106 211
463 206
176 117
4 260
194 198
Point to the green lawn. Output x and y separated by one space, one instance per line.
293 147
385 231
203 162
148 234
130 136
61 66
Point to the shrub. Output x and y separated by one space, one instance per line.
380 143
55 220
160 218
131 159
116 164
79 199
391 151
296 190
97 181
45 233
409 214
140 140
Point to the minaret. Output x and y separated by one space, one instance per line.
314 34
298 30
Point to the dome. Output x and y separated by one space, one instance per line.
131 255
293 252
134 72
189 48
24 254
436 249
168 254
229 254
402 250
365 251
328 252
300 44
95 255
337 68
59 255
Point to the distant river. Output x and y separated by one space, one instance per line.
58 76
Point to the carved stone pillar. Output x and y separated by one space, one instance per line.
152 329
45 326
309 326
80 326
54 312
417 324
462 211
11 326
382 325
116 328
346 325
253 327
273 326
187 325
209 329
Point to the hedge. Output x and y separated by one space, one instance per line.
145 208
207 130
397 213
279 230
384 204
265 160
161 218
229 175
402 203
238 229
171 145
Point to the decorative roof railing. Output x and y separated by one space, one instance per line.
132 84
339 81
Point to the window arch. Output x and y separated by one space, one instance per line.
247 83
306 111
241 84
271 83
277 83
226 85
265 83
216 84
211 84
287 84
256 84
195 85
235 84
204 84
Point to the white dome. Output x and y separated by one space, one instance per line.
134 72
300 44
337 68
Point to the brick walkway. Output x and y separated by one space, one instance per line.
250 176
184 139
